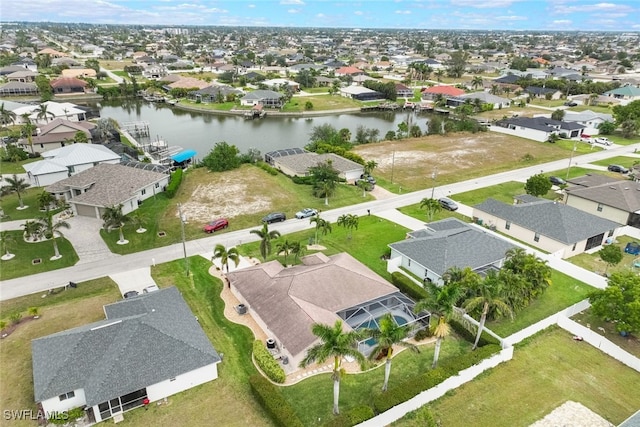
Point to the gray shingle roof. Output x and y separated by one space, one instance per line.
557 221
624 195
452 243
301 163
144 340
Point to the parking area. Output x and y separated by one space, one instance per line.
134 280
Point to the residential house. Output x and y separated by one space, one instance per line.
446 91
266 98
590 119
625 94
349 71
149 347
105 185
403 91
280 84
361 93
24 76
606 197
10 69
286 302
19 89
543 92
213 93
55 110
57 133
154 71
537 128
298 164
486 98
445 244
554 227
68 85
52 53
64 162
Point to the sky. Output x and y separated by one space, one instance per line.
589 15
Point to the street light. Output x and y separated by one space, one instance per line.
575 143
184 244
434 176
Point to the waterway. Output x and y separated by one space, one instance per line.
200 131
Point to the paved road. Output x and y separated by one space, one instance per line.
104 267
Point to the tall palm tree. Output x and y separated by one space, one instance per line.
349 222
388 335
322 225
28 129
265 239
370 166
225 255
5 239
439 302
336 343
285 249
6 116
43 112
432 206
114 218
18 185
476 82
45 200
51 228
328 186
297 249
489 297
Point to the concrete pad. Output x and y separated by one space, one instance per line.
134 280
398 217
244 262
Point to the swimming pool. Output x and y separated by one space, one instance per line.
373 324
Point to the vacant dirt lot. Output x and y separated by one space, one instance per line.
457 157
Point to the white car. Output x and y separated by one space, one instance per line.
603 141
151 288
306 213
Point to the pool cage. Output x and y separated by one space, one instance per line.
367 315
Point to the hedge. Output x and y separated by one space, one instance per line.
413 386
353 417
174 183
271 399
408 286
485 339
267 363
268 168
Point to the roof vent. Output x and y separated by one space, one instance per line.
108 324
611 187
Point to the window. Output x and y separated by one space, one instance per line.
574 247
610 233
599 207
409 265
144 191
507 225
536 238
157 185
172 379
66 396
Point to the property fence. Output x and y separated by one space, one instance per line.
438 391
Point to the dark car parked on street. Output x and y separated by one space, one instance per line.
274 217
555 180
618 168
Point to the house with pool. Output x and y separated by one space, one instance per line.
286 302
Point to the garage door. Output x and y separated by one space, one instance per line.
84 210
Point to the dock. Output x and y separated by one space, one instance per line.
383 106
136 129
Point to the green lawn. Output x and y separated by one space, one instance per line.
504 192
629 343
320 103
563 292
8 168
547 103
10 203
416 212
625 161
619 139
605 109
545 372
312 398
25 253
592 262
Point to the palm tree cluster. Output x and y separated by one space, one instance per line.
285 248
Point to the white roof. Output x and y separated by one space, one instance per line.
56 108
586 115
79 154
355 90
44 167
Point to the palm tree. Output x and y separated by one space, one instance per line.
489 297
432 206
370 166
336 343
349 222
363 184
51 228
45 200
32 230
18 185
476 82
297 249
114 218
388 335
439 302
43 112
224 254
328 185
6 116
5 239
265 239
28 129
138 219
321 225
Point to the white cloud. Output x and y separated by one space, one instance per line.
588 8
510 18
403 12
321 15
251 6
562 22
298 2
483 4
358 12
294 10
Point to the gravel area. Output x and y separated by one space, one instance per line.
572 414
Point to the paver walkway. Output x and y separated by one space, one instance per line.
84 235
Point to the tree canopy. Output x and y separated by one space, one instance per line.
222 157
537 185
619 301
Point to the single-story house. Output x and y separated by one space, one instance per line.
587 99
23 76
18 89
590 119
66 85
554 227
52 53
149 347
348 71
497 102
10 69
266 98
543 92
448 243
403 91
104 185
446 91
609 198
286 302
280 84
213 93
62 110
61 163
58 133
299 164
537 128
360 93
79 72
625 94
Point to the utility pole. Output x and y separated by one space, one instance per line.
434 176
393 160
571 158
184 244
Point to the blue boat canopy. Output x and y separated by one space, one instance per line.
183 156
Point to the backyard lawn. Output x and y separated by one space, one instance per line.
592 262
546 371
9 168
630 343
625 161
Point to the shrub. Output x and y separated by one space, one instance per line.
3 324
407 286
33 311
423 334
268 168
15 318
485 339
306 180
351 418
271 399
267 363
174 183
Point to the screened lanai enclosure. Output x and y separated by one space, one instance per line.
368 315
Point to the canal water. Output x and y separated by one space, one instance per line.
200 131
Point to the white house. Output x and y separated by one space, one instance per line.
106 185
537 128
590 119
62 110
64 162
149 347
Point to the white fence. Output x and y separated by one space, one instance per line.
439 390
600 342
627 230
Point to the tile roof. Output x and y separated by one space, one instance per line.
452 243
68 82
291 300
554 220
444 90
144 340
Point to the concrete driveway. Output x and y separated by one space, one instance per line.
84 235
133 280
